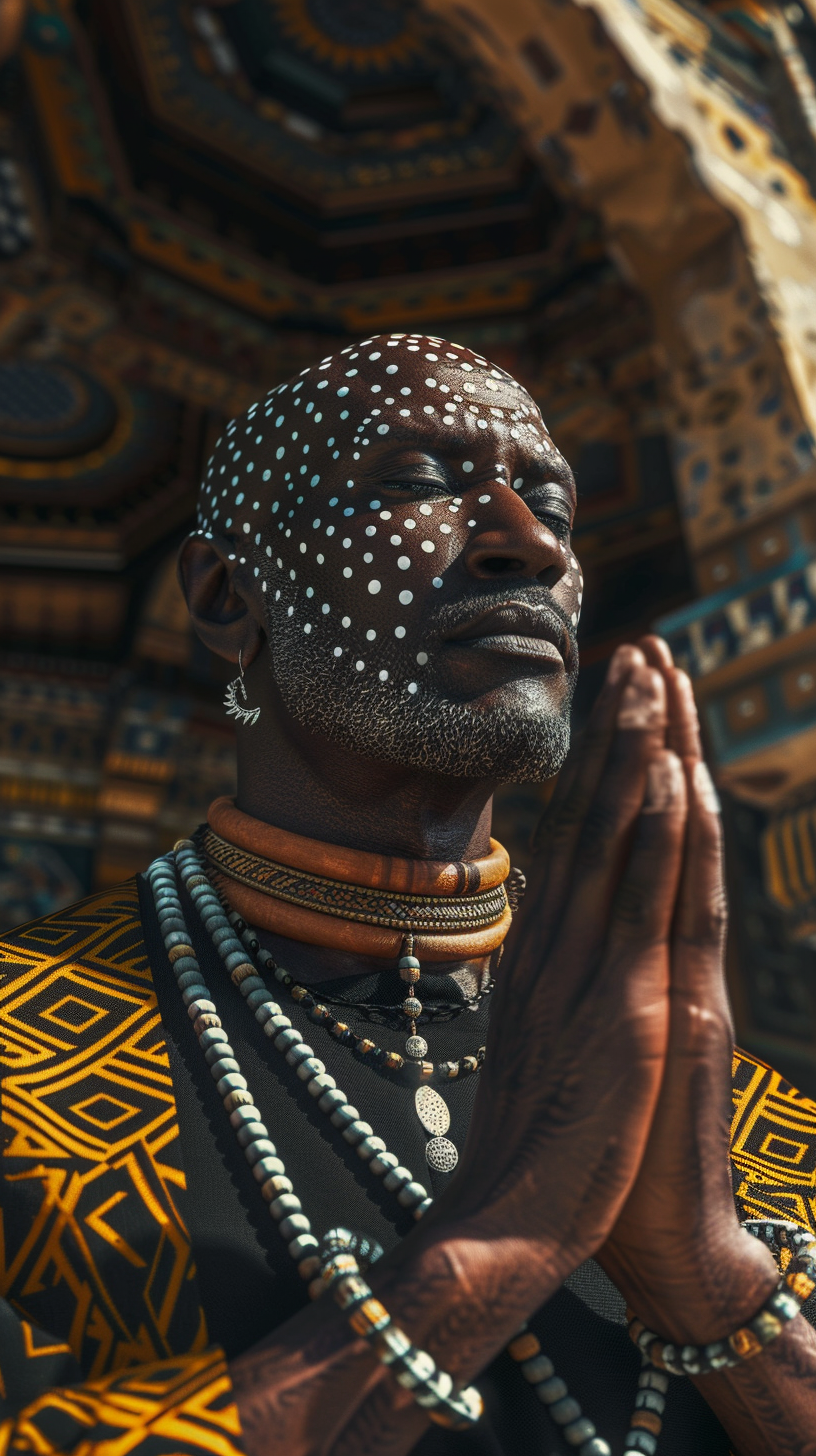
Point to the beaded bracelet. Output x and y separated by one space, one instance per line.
795 1286
431 1387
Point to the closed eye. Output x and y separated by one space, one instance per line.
420 486
552 503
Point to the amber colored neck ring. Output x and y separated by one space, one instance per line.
357 866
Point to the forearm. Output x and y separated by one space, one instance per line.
768 1404
314 1388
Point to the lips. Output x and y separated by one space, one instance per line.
518 631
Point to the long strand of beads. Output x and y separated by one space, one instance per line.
259 1151
287 1040
650 1403
340 1030
577 1429
253 1137
415 1369
431 1108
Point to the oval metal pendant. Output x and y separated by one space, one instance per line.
441 1154
432 1110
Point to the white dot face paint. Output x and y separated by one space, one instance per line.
356 577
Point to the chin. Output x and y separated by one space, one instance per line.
505 737
506 727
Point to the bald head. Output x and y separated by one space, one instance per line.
392 388
403 517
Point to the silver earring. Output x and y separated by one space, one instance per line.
235 709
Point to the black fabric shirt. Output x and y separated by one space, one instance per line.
249 1285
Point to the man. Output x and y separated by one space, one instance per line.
384 551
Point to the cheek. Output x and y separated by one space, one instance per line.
569 591
397 558
361 586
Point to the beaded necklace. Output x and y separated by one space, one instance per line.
267 1166
433 1389
353 900
431 1108
371 1053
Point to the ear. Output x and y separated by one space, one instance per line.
225 609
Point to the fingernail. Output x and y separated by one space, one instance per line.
704 788
664 784
642 703
622 661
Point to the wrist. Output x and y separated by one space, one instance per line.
463 1294
708 1298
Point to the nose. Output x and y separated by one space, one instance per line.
510 541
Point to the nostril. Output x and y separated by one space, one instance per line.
501 565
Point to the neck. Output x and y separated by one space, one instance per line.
304 783
310 786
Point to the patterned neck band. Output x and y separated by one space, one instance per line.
353 901
357 866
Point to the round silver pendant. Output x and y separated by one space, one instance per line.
416 1047
432 1110
441 1155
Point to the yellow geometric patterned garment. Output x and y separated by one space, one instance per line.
103 1341
773 1145
102 1335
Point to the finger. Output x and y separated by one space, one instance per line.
683 735
588 886
640 925
698 978
688 1143
581 774
657 652
562 826
555 839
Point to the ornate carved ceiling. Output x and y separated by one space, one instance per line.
310 163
